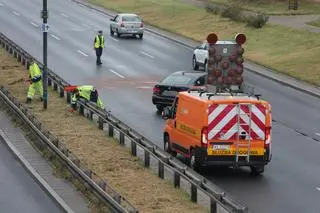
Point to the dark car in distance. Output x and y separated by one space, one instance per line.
166 90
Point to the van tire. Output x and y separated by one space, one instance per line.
256 170
194 161
167 145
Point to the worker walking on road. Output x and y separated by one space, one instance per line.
86 92
98 46
35 77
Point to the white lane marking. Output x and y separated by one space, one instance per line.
146 54
144 87
16 13
85 25
64 15
114 39
1 4
318 188
34 24
114 72
56 37
317 134
82 53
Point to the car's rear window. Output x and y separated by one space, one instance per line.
131 18
177 80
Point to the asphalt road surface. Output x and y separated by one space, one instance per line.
19 192
130 68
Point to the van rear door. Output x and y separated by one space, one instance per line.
232 126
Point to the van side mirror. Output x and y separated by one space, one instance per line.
111 19
258 96
166 113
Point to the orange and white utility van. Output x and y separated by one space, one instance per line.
219 129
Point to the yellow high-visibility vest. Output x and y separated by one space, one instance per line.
99 43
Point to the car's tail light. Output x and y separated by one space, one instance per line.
268 137
121 25
141 25
204 137
156 90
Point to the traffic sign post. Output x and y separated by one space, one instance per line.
44 29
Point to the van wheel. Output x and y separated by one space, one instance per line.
167 145
193 162
257 170
111 32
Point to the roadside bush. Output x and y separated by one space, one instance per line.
257 21
235 13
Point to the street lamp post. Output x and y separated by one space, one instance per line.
45 27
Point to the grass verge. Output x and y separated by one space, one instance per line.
273 7
289 51
103 155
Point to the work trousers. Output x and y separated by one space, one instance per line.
98 54
35 87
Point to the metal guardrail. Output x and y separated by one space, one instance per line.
201 190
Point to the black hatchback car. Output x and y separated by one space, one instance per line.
166 90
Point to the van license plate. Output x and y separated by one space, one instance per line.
221 147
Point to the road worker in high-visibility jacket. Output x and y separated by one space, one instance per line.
88 93
35 77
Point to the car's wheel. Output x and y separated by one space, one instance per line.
160 107
118 34
111 32
167 145
141 36
194 63
257 170
205 68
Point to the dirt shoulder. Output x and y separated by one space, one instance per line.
103 155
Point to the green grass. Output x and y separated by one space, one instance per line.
315 23
274 7
289 51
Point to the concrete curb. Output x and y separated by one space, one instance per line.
189 43
44 185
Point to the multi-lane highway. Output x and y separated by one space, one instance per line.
19 192
131 66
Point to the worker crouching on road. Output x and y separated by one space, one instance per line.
35 77
85 92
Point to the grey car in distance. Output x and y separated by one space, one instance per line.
126 23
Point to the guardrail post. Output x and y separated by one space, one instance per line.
176 179
68 97
61 92
133 148
121 138
160 169
213 205
49 82
19 57
55 86
88 173
15 54
100 121
193 193
103 185
110 130
146 158
81 111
